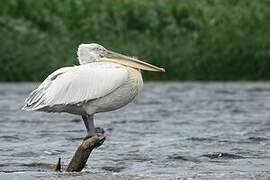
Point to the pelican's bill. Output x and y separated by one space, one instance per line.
134 63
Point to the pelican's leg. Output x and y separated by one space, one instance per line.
90 128
89 124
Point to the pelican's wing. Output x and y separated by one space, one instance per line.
35 97
76 85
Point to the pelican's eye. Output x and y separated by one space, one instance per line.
100 51
97 49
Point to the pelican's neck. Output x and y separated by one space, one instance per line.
85 57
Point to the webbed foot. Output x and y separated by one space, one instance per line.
98 130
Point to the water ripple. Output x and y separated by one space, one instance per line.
171 131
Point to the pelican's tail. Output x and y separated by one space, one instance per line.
35 100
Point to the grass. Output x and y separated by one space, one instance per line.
193 40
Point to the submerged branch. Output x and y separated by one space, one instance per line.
82 153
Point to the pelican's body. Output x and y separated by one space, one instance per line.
104 81
55 98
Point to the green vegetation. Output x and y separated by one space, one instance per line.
192 39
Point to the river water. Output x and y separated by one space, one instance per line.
171 131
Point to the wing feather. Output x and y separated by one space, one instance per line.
76 85
34 98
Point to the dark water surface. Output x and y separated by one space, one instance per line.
171 131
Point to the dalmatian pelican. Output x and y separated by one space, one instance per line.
104 81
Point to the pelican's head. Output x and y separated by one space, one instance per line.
88 53
92 52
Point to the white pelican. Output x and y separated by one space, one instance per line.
104 81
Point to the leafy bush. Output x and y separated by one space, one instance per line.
193 40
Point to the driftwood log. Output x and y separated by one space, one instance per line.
82 153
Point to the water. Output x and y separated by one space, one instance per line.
171 131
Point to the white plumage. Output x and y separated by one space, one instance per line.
97 85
